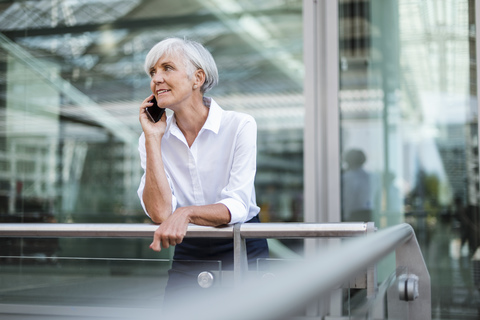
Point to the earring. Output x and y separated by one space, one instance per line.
194 86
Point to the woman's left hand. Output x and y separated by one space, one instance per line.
172 231
149 127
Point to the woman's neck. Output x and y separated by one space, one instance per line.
191 119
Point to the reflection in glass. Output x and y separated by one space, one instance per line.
106 283
72 79
408 101
356 188
71 83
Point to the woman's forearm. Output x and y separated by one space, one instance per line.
157 195
207 215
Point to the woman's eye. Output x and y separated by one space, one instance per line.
152 73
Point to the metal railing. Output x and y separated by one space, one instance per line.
305 280
238 233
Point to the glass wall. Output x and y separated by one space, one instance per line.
71 83
409 136
72 80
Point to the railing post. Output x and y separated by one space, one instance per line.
409 256
372 270
240 264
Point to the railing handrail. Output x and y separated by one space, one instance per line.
305 281
317 277
138 230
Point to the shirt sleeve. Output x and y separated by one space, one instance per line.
143 162
238 195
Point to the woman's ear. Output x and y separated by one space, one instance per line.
199 78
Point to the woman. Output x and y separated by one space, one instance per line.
200 163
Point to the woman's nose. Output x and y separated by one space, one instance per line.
158 78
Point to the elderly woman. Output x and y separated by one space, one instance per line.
200 163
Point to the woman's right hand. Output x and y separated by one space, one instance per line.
149 127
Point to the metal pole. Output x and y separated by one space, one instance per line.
123 230
372 283
107 230
240 264
303 230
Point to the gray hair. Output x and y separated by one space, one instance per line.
195 54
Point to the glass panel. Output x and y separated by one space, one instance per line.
72 79
384 304
83 282
89 287
81 247
409 135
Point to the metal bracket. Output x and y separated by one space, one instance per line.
408 287
205 279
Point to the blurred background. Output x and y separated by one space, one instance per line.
72 79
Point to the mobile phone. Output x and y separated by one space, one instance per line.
155 112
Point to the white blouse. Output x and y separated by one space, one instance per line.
219 167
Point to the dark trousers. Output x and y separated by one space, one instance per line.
195 255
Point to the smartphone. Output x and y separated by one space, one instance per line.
155 112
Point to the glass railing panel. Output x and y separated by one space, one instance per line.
82 281
78 286
384 304
395 307
273 269
353 297
354 301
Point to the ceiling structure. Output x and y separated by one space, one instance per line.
100 46
88 56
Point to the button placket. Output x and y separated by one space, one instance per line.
196 184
